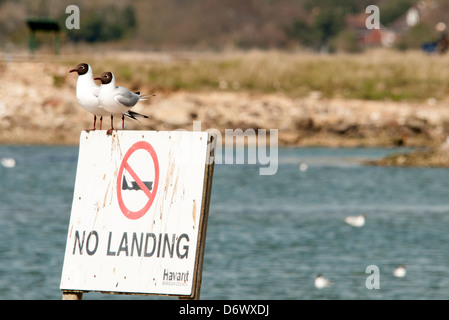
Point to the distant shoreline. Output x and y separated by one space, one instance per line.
230 90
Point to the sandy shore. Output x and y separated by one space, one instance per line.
38 106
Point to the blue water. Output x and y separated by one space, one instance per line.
268 236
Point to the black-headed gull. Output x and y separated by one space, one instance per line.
321 282
117 100
87 92
400 271
356 221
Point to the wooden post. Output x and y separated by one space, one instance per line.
57 42
32 41
72 295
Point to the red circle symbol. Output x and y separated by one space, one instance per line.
134 215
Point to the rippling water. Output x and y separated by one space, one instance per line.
268 236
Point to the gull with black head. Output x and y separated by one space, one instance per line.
117 100
87 92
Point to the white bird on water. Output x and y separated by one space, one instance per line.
117 100
87 92
400 271
356 221
321 282
8 162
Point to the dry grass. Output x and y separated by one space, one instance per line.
375 75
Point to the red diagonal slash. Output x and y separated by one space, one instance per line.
133 215
142 185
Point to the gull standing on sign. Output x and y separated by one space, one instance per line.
87 92
117 100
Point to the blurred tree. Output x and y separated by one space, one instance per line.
391 10
416 36
346 41
326 20
340 5
326 24
104 24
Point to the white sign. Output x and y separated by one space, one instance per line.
137 205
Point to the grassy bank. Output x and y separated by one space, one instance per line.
374 75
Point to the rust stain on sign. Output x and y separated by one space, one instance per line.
194 212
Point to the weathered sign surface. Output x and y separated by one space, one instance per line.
137 210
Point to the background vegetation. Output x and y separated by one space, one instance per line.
207 24
381 74
270 32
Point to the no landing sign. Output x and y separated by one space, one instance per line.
139 213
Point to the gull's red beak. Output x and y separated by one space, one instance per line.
72 70
97 78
